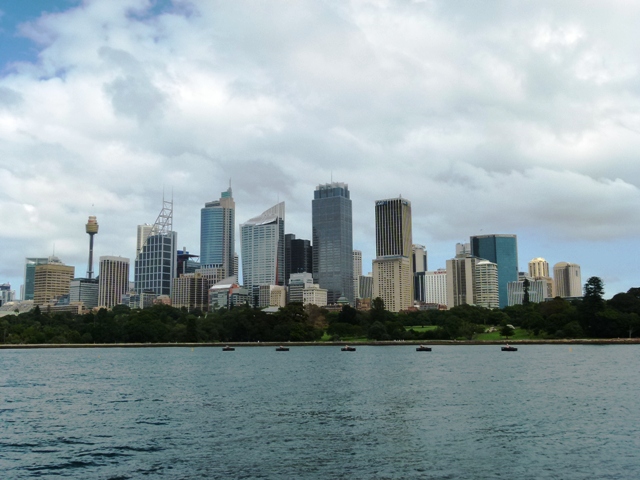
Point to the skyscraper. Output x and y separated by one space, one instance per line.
538 267
155 264
113 281
486 284
357 272
262 245
51 281
29 274
503 251
392 268
567 279
333 240
298 256
217 233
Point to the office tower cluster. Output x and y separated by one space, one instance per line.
278 268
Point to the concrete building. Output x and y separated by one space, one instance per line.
461 281
435 287
303 290
312 294
365 286
538 268
6 294
486 284
262 240
143 233
217 233
567 280
392 268
393 282
51 281
155 264
272 296
332 237
191 291
357 272
502 250
113 280
226 294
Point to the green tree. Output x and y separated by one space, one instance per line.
507 331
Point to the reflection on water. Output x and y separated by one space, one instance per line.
315 412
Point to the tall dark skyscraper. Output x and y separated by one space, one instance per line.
298 256
503 251
333 240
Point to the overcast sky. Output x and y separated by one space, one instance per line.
490 117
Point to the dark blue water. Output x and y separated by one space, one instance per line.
315 412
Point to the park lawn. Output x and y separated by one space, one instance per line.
416 328
520 334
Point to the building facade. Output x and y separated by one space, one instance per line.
51 281
30 274
486 284
357 272
503 251
567 280
155 264
191 291
392 268
85 291
262 244
217 233
461 281
332 237
113 280
435 287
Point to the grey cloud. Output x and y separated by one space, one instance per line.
136 97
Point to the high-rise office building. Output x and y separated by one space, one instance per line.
191 290
538 291
52 280
141 238
503 251
419 263
113 280
298 256
6 294
155 264
538 268
84 290
262 245
567 280
461 280
30 272
333 240
357 272
392 268
486 284
217 233
435 286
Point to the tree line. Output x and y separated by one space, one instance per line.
592 317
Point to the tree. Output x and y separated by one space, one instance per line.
593 292
507 331
525 288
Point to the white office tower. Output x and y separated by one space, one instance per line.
567 280
461 281
486 284
419 258
463 249
262 246
143 233
435 286
538 291
303 290
113 281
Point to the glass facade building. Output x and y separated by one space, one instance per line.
155 265
332 237
503 251
30 275
217 233
262 244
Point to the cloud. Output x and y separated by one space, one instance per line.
491 118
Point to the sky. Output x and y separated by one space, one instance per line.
490 117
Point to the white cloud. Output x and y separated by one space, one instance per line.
488 118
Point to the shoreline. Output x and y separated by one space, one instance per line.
583 341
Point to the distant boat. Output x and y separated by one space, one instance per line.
509 348
282 349
347 348
422 348
228 349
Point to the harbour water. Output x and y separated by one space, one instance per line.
546 411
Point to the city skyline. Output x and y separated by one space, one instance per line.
515 120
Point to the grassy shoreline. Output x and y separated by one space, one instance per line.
582 341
